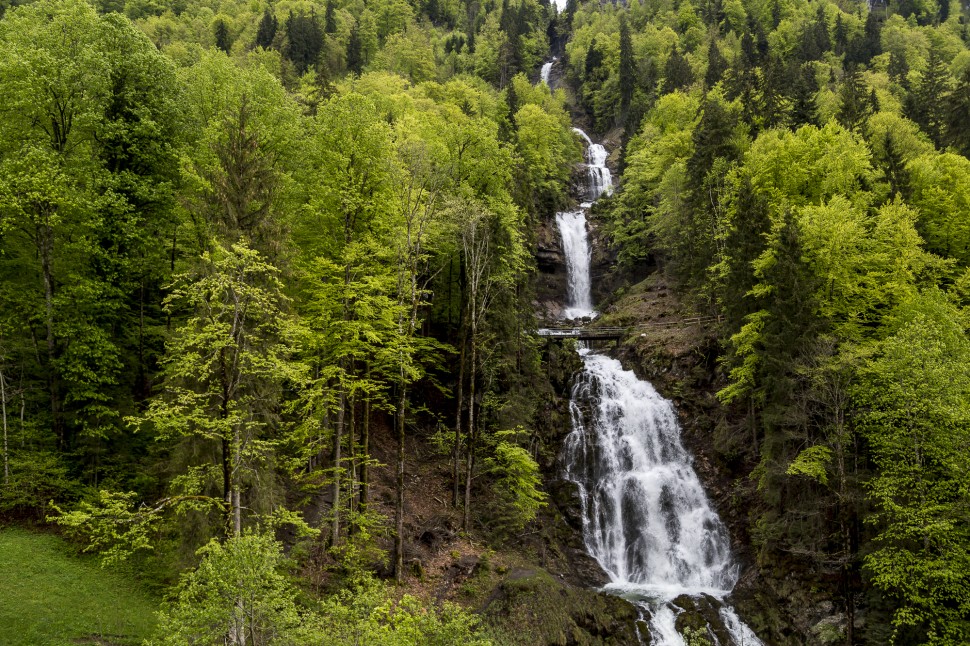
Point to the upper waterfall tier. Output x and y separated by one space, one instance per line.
575 245
600 180
545 71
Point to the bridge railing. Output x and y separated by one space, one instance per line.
618 332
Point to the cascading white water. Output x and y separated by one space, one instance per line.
572 230
649 523
546 70
575 245
600 178
646 518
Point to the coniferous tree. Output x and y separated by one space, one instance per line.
899 69
511 100
803 90
773 101
944 12
677 72
815 38
627 70
355 54
510 51
594 59
712 12
841 37
820 31
304 41
330 19
266 31
742 79
775 14
221 33
713 149
894 166
927 104
745 241
855 104
862 50
716 65
958 115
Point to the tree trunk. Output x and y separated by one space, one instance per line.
335 489
456 448
6 455
353 458
470 462
227 481
45 248
365 452
399 507
236 503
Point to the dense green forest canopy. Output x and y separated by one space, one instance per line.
236 239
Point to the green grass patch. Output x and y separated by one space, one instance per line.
49 596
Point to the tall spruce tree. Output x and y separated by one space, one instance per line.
355 51
304 41
266 31
927 103
958 115
627 70
716 65
677 72
221 33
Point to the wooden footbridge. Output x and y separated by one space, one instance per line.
582 333
615 333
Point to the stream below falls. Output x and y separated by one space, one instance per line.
646 518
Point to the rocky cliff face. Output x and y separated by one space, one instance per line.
551 277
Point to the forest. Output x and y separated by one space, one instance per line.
269 283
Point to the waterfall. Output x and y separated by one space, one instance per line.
572 231
546 70
600 181
646 518
575 245
649 523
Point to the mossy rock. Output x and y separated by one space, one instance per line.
531 607
701 613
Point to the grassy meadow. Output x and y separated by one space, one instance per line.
50 596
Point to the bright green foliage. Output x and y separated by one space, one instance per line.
656 166
940 186
246 143
367 614
113 526
813 462
546 154
917 394
237 595
87 162
226 367
516 486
